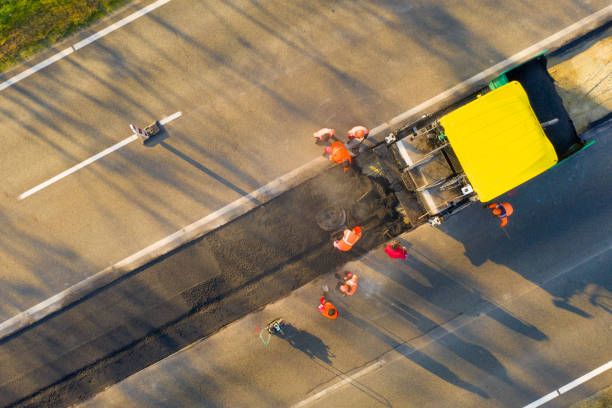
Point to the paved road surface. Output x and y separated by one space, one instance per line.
473 318
252 79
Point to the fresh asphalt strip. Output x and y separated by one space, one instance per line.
285 182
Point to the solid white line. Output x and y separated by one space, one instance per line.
502 66
585 377
36 68
571 385
543 400
120 24
170 118
11 81
186 234
78 167
235 209
339 384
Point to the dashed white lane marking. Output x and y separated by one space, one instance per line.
83 43
78 167
170 118
571 385
92 159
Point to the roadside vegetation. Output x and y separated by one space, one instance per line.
602 399
26 26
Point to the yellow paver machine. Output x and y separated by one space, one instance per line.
488 144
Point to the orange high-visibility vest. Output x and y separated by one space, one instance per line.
349 239
321 133
358 132
326 308
506 211
353 281
339 154
348 289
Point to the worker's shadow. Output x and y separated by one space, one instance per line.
307 343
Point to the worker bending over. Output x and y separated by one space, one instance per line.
358 132
323 135
327 309
349 238
349 284
502 211
339 153
395 250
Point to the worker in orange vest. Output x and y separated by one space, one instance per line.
358 132
349 286
349 238
323 135
327 309
502 211
339 154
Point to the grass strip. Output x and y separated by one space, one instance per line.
603 399
27 26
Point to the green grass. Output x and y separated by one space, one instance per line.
602 399
26 26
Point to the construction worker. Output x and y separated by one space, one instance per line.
339 154
395 250
358 132
349 284
502 211
323 135
327 309
349 238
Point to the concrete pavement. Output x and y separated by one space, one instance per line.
474 317
253 81
434 331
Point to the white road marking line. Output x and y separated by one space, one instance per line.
92 159
170 118
339 384
585 377
186 234
11 81
501 66
571 385
120 24
543 400
36 68
78 167
229 212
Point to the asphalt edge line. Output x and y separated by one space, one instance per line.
32 70
163 246
232 210
477 81
571 385
77 46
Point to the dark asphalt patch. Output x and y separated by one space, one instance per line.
191 293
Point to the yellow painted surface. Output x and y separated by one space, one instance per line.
499 141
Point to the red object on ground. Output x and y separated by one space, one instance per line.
395 251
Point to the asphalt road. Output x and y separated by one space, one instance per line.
253 81
473 318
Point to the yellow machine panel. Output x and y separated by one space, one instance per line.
499 141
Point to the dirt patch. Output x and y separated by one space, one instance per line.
584 82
